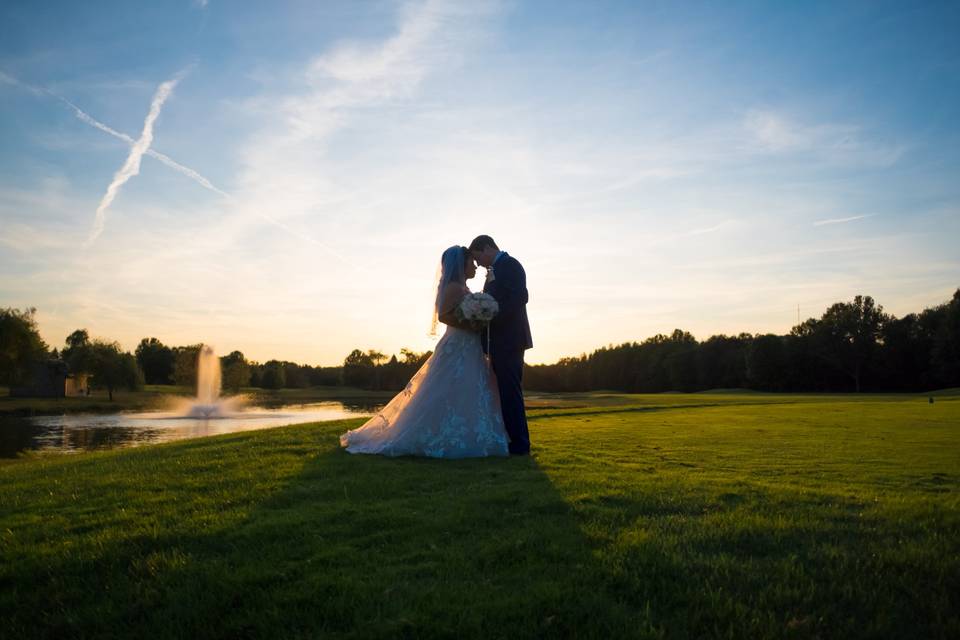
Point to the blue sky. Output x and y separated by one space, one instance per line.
653 165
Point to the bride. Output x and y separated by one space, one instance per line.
450 408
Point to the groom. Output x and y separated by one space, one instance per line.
509 335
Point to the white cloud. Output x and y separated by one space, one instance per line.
284 184
361 163
834 143
284 166
776 133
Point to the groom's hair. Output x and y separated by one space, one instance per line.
482 242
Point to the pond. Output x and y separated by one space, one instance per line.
85 432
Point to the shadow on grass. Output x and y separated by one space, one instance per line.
357 546
279 533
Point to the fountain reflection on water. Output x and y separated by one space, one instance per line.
206 415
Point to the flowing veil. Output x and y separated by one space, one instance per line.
451 269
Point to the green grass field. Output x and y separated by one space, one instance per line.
677 516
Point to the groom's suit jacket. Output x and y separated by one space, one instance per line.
510 329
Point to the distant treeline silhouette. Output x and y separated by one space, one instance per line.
853 346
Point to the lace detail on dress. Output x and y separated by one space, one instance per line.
449 409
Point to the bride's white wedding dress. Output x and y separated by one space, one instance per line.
449 409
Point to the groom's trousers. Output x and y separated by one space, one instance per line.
508 368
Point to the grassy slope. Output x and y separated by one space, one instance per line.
829 519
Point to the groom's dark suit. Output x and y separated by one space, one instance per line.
509 336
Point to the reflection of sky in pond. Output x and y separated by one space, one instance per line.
81 432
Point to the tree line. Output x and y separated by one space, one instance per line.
152 362
364 369
23 352
162 364
853 346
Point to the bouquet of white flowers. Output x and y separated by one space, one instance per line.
478 309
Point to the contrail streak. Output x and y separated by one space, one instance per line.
199 179
196 177
131 167
820 223
83 116
187 171
165 159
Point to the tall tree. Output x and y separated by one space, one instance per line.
156 360
946 347
904 360
722 362
76 352
79 338
766 363
112 368
296 376
414 359
848 334
274 375
358 369
377 357
185 365
236 371
20 345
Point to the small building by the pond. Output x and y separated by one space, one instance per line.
77 384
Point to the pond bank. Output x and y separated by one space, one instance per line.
158 397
